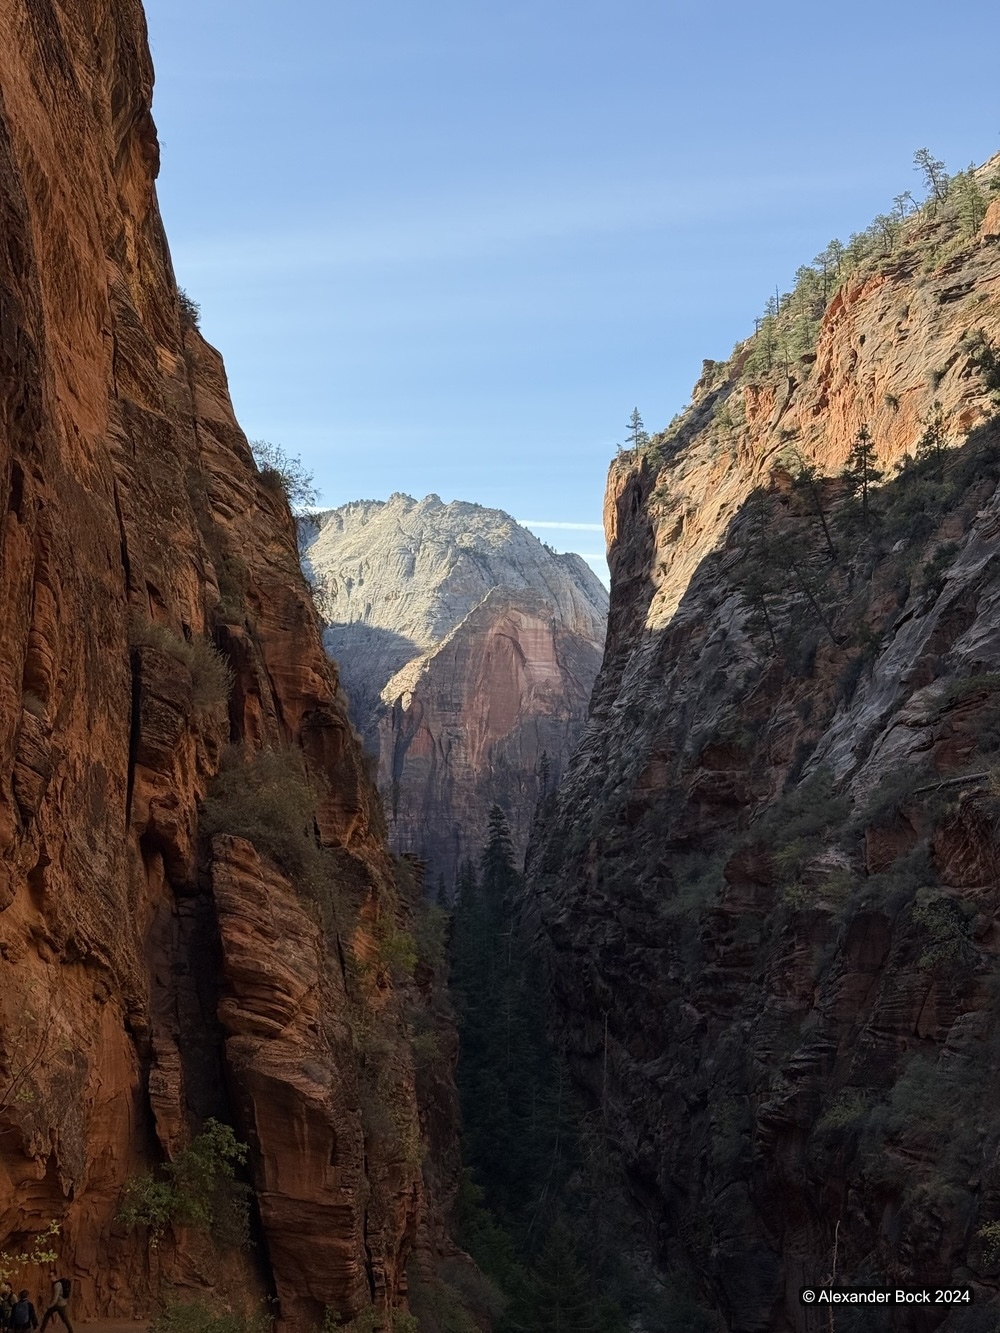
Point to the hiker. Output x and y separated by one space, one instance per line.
7 1302
22 1313
60 1300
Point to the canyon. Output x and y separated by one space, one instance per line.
468 651
761 852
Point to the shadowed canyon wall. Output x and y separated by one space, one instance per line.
768 883
153 615
468 650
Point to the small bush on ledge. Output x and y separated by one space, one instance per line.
266 799
211 675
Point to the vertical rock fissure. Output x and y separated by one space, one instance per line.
135 705
123 543
369 1261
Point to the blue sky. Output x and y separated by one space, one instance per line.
447 247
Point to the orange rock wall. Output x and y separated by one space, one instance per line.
890 345
147 984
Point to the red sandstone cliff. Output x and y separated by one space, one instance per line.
473 723
151 978
770 887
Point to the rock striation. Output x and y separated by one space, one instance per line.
768 884
155 630
468 651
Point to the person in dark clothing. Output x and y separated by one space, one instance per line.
7 1302
22 1314
59 1303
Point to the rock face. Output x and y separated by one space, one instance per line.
153 613
468 651
769 881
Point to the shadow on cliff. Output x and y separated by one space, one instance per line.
731 948
823 587
366 657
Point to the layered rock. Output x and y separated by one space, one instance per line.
154 613
468 650
769 884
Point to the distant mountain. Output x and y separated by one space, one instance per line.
468 650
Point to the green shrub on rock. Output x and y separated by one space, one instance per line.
198 1188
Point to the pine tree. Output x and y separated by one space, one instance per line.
807 479
933 442
935 177
636 437
497 1021
497 864
886 228
903 204
513 1091
761 355
812 583
470 942
862 472
521 1133
829 262
808 297
776 568
560 1296
761 578
970 198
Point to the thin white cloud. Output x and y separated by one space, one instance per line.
576 527
475 225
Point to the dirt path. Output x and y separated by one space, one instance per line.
112 1325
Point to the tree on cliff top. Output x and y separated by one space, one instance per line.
935 176
971 199
189 309
636 436
285 472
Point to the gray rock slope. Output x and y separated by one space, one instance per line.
393 578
